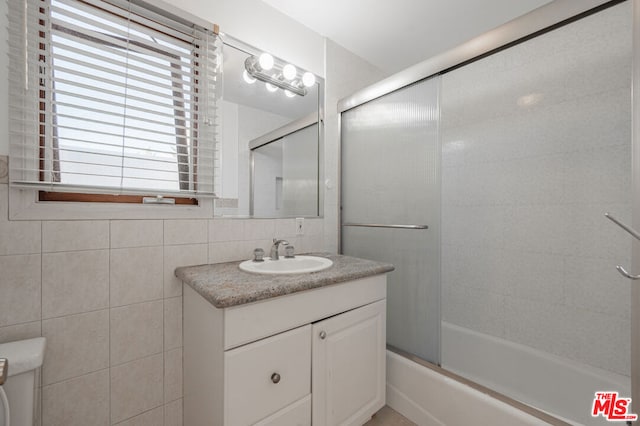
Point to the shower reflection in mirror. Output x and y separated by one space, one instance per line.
284 171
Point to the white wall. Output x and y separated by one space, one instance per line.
229 150
345 74
258 24
4 81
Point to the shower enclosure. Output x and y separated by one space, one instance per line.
486 184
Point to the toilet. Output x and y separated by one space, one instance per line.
25 358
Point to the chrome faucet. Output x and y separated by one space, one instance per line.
274 248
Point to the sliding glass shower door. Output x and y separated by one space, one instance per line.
391 207
536 149
512 161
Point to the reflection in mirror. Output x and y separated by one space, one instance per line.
285 181
253 112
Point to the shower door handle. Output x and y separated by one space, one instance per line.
380 225
631 232
627 228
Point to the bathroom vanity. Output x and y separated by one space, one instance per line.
284 350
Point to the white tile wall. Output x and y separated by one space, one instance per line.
76 345
136 275
17 237
136 387
136 233
81 401
105 296
130 343
150 418
185 231
173 375
172 323
174 256
75 235
527 253
173 413
74 282
21 289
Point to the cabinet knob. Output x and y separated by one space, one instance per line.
275 378
323 334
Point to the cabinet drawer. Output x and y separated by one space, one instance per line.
263 377
296 414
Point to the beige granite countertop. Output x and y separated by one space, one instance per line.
225 285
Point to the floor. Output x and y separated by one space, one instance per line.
389 417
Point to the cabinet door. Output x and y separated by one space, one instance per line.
348 366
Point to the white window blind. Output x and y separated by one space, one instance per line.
112 96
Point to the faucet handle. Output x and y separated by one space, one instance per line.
258 255
288 252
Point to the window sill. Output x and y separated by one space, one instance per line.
24 205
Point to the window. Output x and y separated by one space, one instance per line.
112 97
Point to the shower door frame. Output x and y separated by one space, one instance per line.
539 21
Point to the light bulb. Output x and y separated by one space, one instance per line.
270 87
247 77
289 94
289 72
308 79
266 61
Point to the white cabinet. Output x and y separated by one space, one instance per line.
348 370
277 361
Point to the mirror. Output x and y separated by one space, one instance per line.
270 144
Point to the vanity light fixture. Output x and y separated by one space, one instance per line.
308 79
247 78
289 72
266 61
283 77
270 87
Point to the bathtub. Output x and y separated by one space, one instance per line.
428 397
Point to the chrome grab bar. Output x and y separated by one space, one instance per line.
634 234
4 370
379 225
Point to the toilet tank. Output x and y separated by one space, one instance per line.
25 358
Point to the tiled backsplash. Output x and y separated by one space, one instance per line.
104 295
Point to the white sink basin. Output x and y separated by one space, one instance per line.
297 265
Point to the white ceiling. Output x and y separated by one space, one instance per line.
393 35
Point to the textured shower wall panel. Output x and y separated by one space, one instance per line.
536 145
